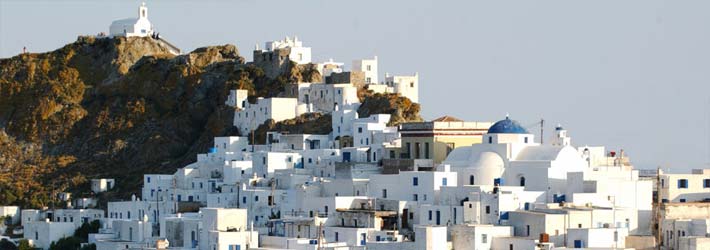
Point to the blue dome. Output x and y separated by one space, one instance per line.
507 126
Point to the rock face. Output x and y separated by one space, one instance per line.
310 123
401 108
123 107
111 107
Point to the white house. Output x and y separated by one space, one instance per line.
102 185
226 229
327 98
297 53
369 66
237 98
11 212
130 27
407 86
477 236
42 233
253 115
691 187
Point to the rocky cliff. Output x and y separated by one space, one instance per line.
120 108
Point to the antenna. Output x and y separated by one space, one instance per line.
542 130
707 132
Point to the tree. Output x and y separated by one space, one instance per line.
24 245
66 243
87 228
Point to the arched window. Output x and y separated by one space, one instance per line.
471 180
522 181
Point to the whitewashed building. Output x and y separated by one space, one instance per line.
130 27
369 66
253 115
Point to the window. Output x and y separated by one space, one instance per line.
244 200
526 140
522 181
256 198
384 193
415 197
484 238
369 67
683 183
409 150
444 181
430 214
336 236
706 183
471 180
488 209
426 150
682 200
490 140
359 130
417 150
415 181
148 178
411 84
368 80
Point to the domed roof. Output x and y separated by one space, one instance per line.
507 126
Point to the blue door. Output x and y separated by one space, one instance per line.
438 217
346 156
363 238
577 243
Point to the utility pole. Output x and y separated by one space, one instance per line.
657 217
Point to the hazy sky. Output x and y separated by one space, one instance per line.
624 74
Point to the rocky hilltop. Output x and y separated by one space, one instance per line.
120 108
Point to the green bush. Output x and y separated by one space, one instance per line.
24 245
87 228
66 243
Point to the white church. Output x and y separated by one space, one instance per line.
131 27
509 156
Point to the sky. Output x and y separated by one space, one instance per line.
631 75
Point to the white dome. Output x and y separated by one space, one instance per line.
487 160
475 165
